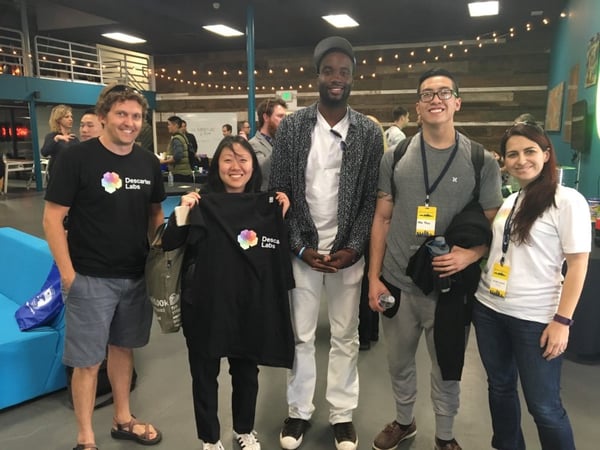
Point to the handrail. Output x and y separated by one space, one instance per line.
11 52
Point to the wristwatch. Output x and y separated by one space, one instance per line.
563 320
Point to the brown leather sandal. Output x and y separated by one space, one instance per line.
125 431
85 447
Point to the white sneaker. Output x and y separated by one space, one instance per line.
217 446
247 441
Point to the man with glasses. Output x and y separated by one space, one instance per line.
434 181
270 113
112 191
326 158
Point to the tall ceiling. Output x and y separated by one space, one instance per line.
175 26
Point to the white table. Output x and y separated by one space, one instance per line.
16 165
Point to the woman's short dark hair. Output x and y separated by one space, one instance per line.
214 182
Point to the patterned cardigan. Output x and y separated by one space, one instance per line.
358 178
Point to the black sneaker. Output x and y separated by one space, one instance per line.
345 436
292 433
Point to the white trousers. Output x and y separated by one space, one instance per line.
342 292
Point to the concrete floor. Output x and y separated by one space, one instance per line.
163 393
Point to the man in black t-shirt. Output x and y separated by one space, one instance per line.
112 191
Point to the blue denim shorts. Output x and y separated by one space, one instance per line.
101 311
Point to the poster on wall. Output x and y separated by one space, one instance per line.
591 70
554 107
571 98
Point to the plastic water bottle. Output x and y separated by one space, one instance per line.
386 301
437 247
170 178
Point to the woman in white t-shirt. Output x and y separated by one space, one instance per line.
524 307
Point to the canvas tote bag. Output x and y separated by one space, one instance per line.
163 282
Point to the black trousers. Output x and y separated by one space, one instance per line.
244 382
368 320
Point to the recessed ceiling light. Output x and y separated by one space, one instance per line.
223 30
123 37
478 9
341 20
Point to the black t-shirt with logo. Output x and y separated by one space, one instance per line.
109 197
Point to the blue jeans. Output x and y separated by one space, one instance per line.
509 349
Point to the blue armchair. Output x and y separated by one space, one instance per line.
30 361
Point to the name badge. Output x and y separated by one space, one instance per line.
499 281
426 221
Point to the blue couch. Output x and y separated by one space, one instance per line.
30 361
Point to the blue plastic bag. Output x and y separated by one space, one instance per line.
42 308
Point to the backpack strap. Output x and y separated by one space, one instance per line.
399 152
477 160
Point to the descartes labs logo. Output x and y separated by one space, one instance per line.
249 238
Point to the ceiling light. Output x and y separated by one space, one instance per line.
123 37
223 30
478 9
341 20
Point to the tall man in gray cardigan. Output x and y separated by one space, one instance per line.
326 160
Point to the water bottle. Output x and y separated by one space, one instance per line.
438 247
170 178
386 301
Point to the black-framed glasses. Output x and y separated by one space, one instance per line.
343 144
443 94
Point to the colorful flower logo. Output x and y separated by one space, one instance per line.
111 182
247 239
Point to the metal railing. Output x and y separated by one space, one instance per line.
12 52
67 60
95 64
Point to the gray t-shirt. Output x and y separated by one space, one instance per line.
453 193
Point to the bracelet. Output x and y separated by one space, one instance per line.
299 255
563 320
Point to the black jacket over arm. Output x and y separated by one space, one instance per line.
469 228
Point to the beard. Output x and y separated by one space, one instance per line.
326 99
271 128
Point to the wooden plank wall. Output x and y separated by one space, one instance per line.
497 82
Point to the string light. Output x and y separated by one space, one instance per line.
425 56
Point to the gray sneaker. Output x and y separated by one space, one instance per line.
393 434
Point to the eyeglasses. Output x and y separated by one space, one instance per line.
443 94
343 144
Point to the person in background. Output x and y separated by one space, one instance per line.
394 133
112 191
146 136
176 156
244 129
89 126
227 130
234 313
525 307
192 143
325 159
60 136
434 181
270 113
368 320
2 169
